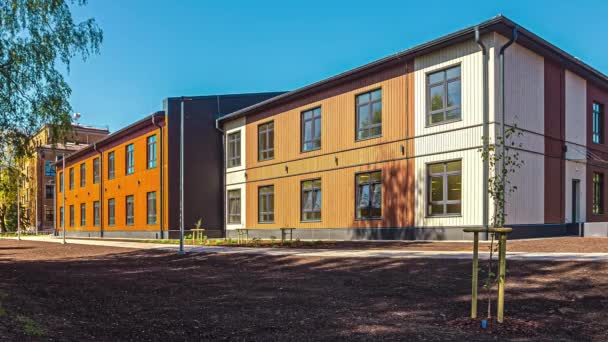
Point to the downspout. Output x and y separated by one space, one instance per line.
502 104
486 131
162 189
224 212
100 171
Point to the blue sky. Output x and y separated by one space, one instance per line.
155 49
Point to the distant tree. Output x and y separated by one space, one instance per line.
8 199
37 37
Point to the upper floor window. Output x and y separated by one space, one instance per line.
443 96
61 181
311 130
151 152
369 195
234 149
130 159
111 165
266 141
598 123
266 204
598 193
83 175
311 200
49 189
234 206
72 178
95 170
369 114
445 188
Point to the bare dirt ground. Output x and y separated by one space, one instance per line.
550 245
53 292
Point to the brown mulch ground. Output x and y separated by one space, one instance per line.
551 245
78 292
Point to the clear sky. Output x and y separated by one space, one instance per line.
155 49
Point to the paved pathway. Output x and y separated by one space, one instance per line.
329 253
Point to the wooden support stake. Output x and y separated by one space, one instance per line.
502 259
475 275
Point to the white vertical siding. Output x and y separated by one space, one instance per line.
576 117
526 205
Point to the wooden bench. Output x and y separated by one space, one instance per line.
284 232
197 235
242 232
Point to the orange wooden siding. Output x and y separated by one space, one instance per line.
341 156
138 184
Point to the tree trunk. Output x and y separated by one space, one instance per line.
3 211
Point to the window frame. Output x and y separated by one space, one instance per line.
49 215
428 112
61 217
268 213
232 215
367 218
46 191
371 114
111 212
234 146
71 180
597 209
444 200
129 219
61 182
111 165
71 215
129 159
315 191
83 215
151 151
267 133
303 122
96 170
96 214
155 215
600 114
83 175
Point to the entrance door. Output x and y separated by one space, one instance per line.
576 200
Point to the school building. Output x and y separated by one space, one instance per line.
390 150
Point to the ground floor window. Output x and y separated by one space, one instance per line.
83 215
311 200
96 213
61 217
266 204
130 210
598 193
111 212
234 206
445 188
49 215
71 216
151 199
369 195
49 191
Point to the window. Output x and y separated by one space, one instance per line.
130 161
111 212
598 193
61 182
111 165
311 130
61 222
234 149
95 170
234 206
83 215
129 208
369 115
151 152
445 188
49 215
71 178
598 123
83 175
369 195
96 213
311 200
266 204
266 141
443 96
71 216
151 207
49 190
49 169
